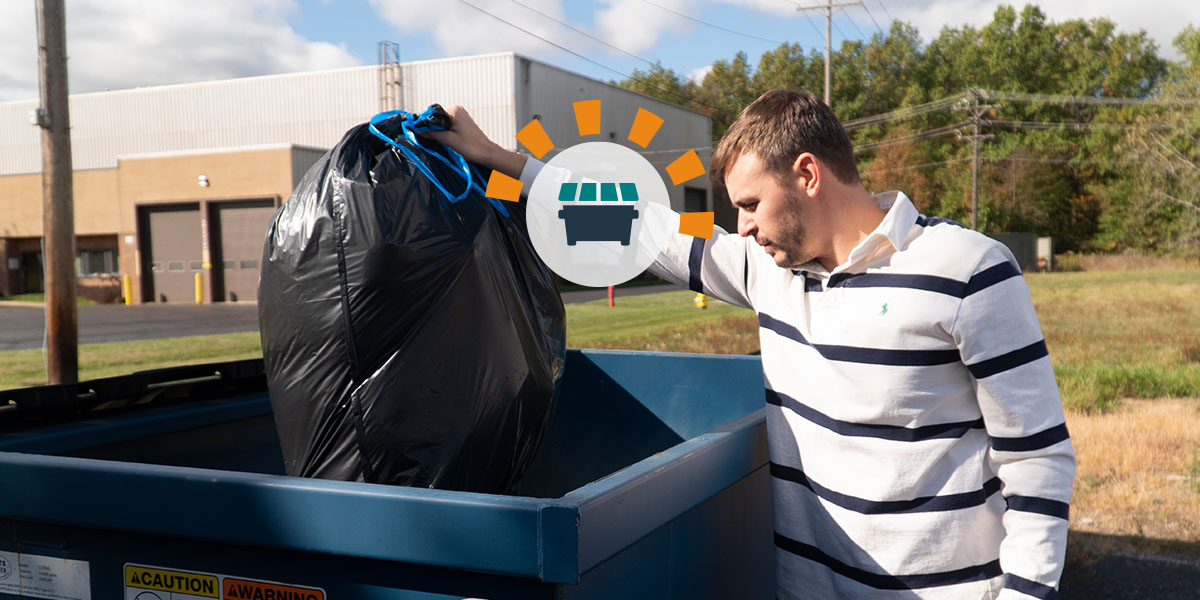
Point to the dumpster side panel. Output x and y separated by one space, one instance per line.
618 408
341 577
720 549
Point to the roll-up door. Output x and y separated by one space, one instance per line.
242 229
175 252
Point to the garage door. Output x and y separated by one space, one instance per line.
242 228
175 252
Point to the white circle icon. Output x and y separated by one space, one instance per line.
599 214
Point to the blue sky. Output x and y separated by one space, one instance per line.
118 44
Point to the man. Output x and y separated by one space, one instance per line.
917 440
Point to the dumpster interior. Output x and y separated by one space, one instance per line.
615 409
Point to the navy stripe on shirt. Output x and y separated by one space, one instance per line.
695 261
929 283
883 581
925 221
1030 588
923 504
1042 439
1041 506
874 356
1010 360
991 276
886 432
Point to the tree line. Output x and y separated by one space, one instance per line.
1090 136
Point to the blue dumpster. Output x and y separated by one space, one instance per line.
651 483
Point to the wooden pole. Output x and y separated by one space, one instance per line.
58 210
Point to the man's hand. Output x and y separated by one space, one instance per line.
465 137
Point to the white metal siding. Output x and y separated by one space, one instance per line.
483 84
308 109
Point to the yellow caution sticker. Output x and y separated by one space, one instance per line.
174 582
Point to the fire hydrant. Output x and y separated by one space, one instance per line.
701 301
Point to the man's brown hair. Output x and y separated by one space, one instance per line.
778 127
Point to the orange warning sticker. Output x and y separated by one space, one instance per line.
245 589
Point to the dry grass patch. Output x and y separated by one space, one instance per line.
1138 474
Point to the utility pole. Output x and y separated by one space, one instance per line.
975 110
828 23
58 210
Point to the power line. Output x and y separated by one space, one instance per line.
572 28
851 19
920 166
903 113
1069 125
815 28
1096 100
725 29
843 33
672 93
885 10
864 7
924 135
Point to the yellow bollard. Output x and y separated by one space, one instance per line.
127 288
199 289
700 301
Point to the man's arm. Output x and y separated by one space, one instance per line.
998 335
719 267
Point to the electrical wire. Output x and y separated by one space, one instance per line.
851 19
580 31
904 113
923 135
1097 100
574 53
864 7
920 166
885 10
725 29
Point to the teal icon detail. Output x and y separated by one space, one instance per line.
609 221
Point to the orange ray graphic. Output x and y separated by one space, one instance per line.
587 116
534 138
697 224
503 187
645 125
685 168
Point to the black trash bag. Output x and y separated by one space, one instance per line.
408 339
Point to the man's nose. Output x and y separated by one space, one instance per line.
745 225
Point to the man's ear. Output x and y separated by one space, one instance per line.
806 172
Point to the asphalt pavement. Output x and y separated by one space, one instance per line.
22 326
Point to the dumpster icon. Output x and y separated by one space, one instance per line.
609 220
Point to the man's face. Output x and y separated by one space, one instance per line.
769 210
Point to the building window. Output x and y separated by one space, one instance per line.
97 261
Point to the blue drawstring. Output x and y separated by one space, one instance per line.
412 124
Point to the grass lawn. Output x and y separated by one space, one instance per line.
40 298
24 368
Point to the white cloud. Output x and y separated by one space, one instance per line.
1162 19
636 25
115 44
781 8
458 29
699 73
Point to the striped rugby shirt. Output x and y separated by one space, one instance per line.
917 440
